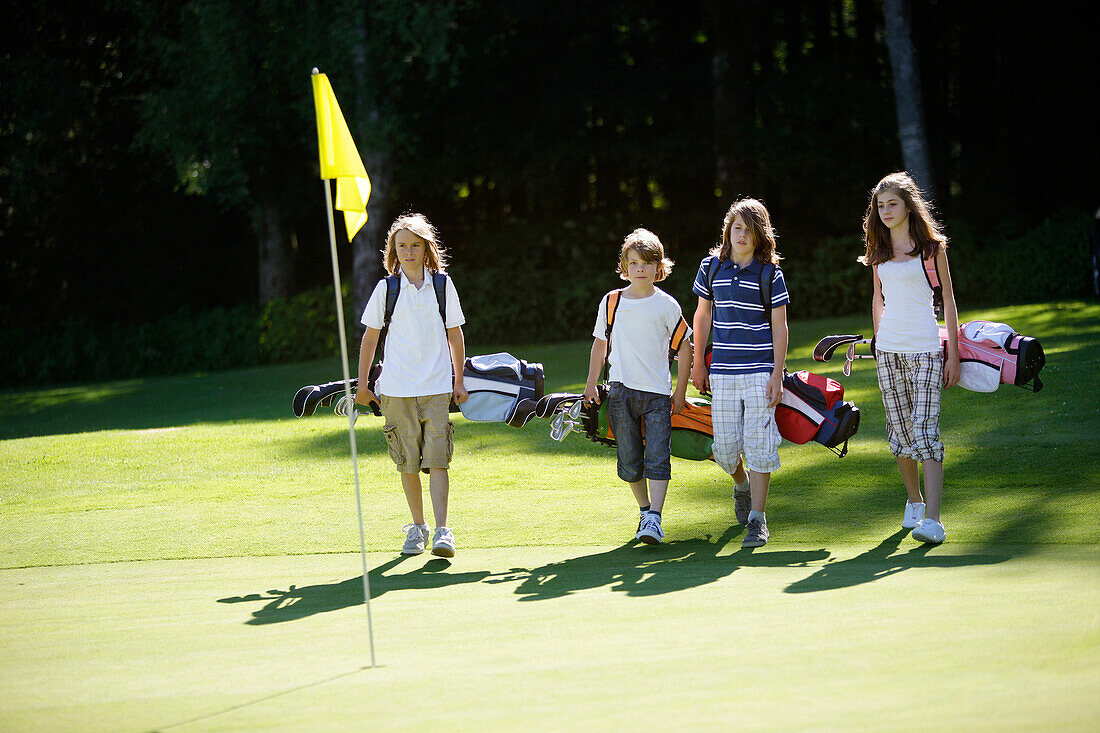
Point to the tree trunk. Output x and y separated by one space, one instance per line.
366 259
274 252
907 94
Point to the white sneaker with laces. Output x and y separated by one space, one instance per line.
443 544
930 531
416 536
914 514
650 531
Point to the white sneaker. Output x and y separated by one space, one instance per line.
417 535
443 544
650 531
914 514
930 531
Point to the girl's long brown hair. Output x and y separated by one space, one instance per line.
924 230
759 222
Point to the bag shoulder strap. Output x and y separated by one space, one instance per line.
393 289
677 340
932 275
712 272
439 282
612 300
767 273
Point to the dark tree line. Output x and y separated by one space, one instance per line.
156 154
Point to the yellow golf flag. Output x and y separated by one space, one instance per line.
339 158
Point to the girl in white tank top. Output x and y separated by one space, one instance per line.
900 233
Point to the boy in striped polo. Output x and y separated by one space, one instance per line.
749 354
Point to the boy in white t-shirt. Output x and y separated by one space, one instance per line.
644 321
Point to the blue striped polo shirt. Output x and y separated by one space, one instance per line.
741 334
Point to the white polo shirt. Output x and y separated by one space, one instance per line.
417 356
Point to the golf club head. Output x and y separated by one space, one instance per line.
566 419
345 407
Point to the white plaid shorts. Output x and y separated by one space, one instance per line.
912 385
743 422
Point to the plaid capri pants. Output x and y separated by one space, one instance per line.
743 422
912 385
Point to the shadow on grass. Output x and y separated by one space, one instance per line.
297 603
641 570
881 562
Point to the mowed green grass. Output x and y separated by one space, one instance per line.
183 553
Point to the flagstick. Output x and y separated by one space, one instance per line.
351 413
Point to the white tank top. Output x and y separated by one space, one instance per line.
908 324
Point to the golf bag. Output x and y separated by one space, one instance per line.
991 354
692 432
813 408
501 388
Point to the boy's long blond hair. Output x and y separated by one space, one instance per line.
649 249
924 230
759 222
435 256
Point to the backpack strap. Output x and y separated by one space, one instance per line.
612 300
712 272
439 282
677 340
767 273
393 289
932 275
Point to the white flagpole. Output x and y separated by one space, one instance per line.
351 412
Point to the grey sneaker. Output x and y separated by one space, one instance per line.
914 515
417 535
443 544
756 534
742 503
650 531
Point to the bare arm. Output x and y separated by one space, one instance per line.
363 395
951 368
457 343
700 324
877 303
779 355
683 358
595 365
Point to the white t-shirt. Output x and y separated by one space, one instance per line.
639 340
908 324
417 355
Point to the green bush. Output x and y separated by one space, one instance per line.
525 283
303 327
1049 262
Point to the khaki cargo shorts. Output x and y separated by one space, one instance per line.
419 432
